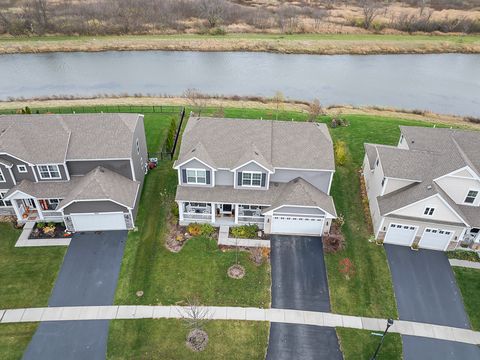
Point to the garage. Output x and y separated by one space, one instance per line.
297 224
435 239
98 222
400 234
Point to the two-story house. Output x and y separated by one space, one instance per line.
85 170
275 174
426 190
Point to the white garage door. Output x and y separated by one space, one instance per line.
294 224
98 222
400 234
435 239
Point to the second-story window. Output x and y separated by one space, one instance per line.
251 178
21 168
471 196
49 172
4 203
138 147
196 176
429 211
2 178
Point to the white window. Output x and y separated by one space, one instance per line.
21 168
429 211
252 178
2 178
383 182
471 196
138 147
53 203
196 176
49 172
4 203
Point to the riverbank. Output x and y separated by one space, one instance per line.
242 103
323 44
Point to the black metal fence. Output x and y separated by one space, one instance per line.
170 153
142 109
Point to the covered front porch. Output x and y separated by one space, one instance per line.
220 213
33 209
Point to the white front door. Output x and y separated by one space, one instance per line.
400 234
98 222
435 239
297 224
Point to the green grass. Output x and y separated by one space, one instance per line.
27 275
463 255
165 339
469 284
361 344
14 339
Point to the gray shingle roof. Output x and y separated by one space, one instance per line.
49 138
273 143
296 192
45 189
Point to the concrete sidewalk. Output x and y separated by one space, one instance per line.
464 263
81 313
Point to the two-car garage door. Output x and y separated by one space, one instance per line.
297 224
99 222
402 234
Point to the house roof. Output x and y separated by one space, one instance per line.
433 152
50 138
228 143
296 192
103 184
45 189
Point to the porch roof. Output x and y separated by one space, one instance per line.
45 189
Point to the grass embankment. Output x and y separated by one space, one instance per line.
14 339
469 284
278 43
165 339
27 275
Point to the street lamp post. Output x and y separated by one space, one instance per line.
389 323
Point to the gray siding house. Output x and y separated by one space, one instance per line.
275 174
85 170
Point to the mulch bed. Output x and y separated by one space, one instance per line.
236 271
365 202
59 232
197 340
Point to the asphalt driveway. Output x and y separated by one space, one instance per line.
299 281
88 276
426 291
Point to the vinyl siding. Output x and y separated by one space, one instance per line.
319 179
252 167
299 210
139 159
61 168
121 167
9 183
20 176
93 207
195 164
224 177
395 184
457 188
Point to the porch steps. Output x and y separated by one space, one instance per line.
225 240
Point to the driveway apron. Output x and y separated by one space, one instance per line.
426 291
299 281
88 276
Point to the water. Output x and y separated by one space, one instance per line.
446 83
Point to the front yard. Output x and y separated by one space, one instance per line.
469 284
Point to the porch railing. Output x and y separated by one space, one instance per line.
196 216
251 219
51 214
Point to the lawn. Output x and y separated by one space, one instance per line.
361 344
469 284
166 340
27 275
14 339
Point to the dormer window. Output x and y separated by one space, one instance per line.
251 178
471 196
196 176
429 211
49 172
21 168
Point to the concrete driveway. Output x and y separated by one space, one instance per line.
426 291
88 276
299 281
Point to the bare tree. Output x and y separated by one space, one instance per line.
195 316
213 11
370 9
196 100
38 11
279 100
423 4
314 109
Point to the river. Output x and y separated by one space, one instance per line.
445 83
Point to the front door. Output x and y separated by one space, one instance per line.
29 203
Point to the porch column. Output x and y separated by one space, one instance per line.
39 208
214 211
180 210
236 213
16 209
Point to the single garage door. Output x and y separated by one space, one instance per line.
400 234
435 239
98 222
290 224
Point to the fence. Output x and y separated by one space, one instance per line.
141 109
169 153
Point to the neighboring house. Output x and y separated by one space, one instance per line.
275 174
85 170
426 190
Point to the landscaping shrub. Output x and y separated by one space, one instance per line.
472 119
347 268
207 229
194 229
175 211
340 152
41 225
333 243
245 231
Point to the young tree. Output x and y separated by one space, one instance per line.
279 100
196 100
213 11
195 317
314 109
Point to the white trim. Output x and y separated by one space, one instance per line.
131 217
403 179
270 212
438 229
474 199
2 175
448 205
194 158
67 173
21 192
467 168
49 172
380 228
196 176
133 170
250 161
22 166
72 215
251 179
12 176
96 159
5 192
384 185
301 169
93 200
330 183
403 225
34 172
5 153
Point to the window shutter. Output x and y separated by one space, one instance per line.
184 176
264 178
239 177
207 173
